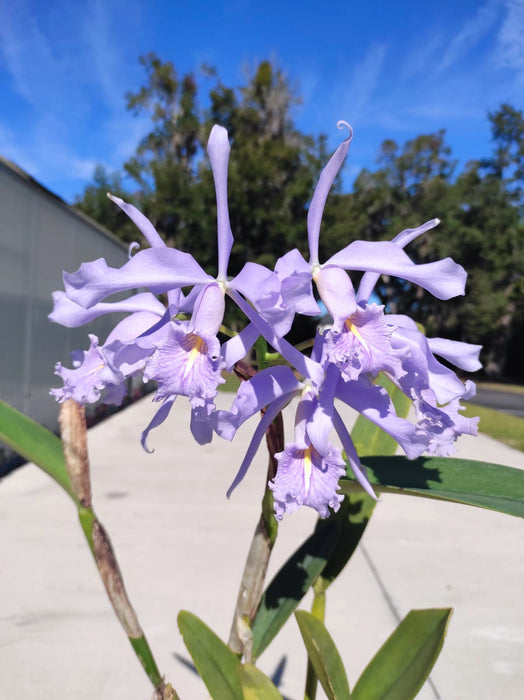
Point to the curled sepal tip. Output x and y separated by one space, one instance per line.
318 201
341 124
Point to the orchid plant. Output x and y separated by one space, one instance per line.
379 364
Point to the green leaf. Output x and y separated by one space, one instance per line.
34 442
324 656
355 512
402 664
351 519
289 586
214 660
467 481
256 685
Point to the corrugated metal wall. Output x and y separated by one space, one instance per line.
40 236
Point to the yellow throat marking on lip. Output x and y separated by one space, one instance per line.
353 329
97 369
308 465
199 347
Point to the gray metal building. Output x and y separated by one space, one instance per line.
40 236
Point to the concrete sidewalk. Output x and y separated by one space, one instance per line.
181 545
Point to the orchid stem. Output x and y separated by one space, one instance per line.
74 440
252 583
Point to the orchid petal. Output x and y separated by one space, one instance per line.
307 477
351 453
401 321
71 315
187 303
264 289
269 385
269 416
336 291
444 278
114 394
321 422
361 344
443 425
141 222
132 326
159 417
89 377
218 150
318 347
375 404
185 363
318 201
208 312
123 347
422 370
159 269
237 347
369 279
201 425
462 355
296 288
306 366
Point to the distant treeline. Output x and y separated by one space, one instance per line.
273 170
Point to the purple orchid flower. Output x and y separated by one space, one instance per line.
97 369
183 357
362 342
292 291
310 467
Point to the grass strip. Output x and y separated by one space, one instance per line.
501 426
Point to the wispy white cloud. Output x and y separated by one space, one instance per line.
470 34
26 51
421 59
510 39
105 56
364 81
72 83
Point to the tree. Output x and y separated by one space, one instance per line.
95 203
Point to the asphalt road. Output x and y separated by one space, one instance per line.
505 401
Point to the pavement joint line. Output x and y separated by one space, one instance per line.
390 603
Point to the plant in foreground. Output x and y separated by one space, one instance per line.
377 363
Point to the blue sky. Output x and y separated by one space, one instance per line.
392 69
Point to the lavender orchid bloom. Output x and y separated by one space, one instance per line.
310 467
443 278
362 342
365 341
97 373
183 357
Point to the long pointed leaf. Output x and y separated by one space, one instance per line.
214 660
289 586
323 655
356 510
467 481
400 667
34 442
351 519
256 685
